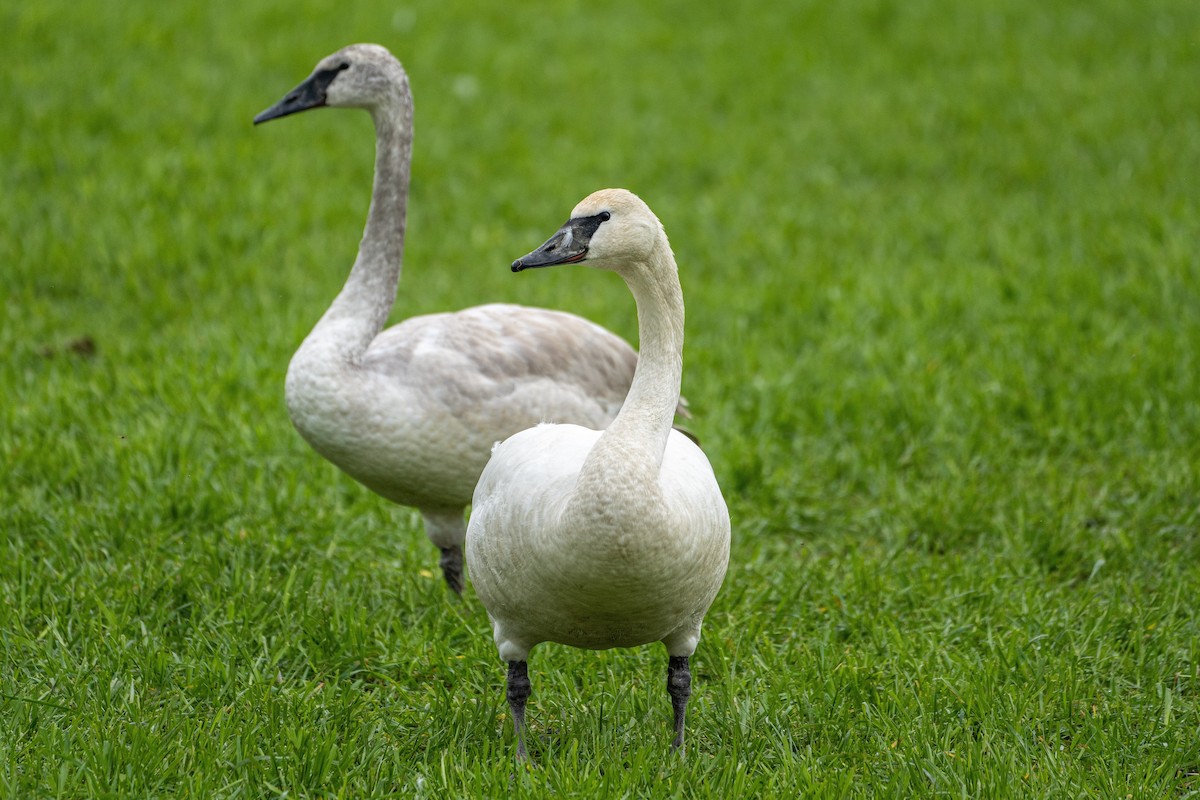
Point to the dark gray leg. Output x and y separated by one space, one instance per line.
451 564
679 686
518 693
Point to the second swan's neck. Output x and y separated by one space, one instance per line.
632 447
361 309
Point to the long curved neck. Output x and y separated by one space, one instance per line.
632 447
361 309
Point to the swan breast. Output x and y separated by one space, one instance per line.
601 574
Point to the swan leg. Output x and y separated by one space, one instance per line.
518 693
447 529
679 686
451 563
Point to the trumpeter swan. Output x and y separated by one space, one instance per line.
412 412
605 539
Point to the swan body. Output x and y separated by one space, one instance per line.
463 379
605 568
612 538
413 411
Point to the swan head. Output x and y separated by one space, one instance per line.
611 229
358 76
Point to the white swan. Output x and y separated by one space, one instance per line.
413 412
605 539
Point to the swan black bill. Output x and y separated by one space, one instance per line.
309 94
538 258
569 245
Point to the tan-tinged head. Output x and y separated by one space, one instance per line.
610 229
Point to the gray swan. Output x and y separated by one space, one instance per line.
412 412
612 538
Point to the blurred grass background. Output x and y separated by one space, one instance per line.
940 262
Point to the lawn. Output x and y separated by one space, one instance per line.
942 270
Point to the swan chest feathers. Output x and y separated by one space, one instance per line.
618 562
380 433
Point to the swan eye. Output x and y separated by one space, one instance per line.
605 216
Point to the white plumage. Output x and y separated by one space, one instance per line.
605 539
412 412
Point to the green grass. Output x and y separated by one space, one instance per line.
943 283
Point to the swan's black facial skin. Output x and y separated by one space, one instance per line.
568 246
309 94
